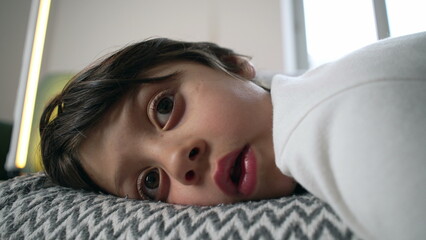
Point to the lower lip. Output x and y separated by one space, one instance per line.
247 181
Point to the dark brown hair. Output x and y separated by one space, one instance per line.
89 94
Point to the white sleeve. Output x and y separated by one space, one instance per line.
377 158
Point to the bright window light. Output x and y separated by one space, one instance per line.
32 83
406 16
336 27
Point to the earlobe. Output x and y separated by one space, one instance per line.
246 68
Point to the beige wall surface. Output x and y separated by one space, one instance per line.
81 31
13 27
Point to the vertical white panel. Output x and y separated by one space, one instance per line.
294 37
381 15
10 164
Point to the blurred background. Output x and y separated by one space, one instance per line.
287 36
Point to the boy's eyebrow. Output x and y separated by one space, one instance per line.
169 77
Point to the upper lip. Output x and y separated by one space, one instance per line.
222 176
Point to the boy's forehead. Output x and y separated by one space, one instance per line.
170 68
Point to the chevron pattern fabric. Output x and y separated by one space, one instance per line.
33 208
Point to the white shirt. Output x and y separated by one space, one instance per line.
353 133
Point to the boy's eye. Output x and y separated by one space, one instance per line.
148 184
165 105
162 108
152 180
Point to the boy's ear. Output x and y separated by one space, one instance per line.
247 69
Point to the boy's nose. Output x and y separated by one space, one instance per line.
186 162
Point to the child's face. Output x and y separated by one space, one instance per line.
202 139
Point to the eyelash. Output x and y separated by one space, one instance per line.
141 181
154 104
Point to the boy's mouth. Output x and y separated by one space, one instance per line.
236 172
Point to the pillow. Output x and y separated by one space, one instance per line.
31 207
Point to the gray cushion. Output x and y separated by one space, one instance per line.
33 208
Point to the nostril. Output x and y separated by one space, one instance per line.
189 175
193 153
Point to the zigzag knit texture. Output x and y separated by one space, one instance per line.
33 208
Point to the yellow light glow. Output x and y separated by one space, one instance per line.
32 83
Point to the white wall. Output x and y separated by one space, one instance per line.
13 27
80 31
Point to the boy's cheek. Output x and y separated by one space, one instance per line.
196 195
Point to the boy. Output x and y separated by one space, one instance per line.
183 123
